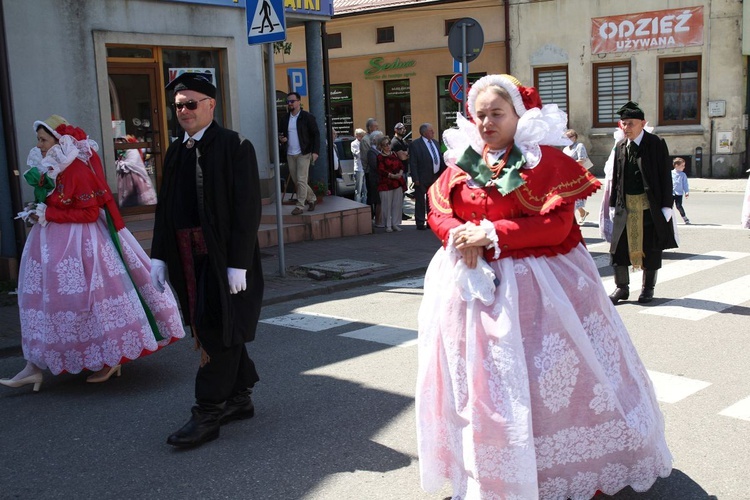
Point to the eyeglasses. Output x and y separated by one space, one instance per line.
291 101
191 105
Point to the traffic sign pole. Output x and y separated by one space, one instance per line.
464 68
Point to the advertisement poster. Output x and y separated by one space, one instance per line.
659 29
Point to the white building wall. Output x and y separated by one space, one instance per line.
56 68
558 32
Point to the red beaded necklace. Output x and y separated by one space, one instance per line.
497 167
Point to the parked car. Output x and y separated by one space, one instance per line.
345 180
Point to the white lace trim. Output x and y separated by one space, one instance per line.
61 155
536 127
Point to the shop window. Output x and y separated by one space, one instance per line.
178 61
342 112
385 35
136 77
679 90
611 91
448 25
447 107
333 40
397 104
552 85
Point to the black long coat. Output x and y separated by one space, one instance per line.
231 218
655 167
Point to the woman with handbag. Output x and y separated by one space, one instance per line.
85 294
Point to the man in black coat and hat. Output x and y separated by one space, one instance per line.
642 198
205 235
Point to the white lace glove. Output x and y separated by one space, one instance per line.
667 213
237 282
40 210
159 274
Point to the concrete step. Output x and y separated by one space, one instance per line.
333 217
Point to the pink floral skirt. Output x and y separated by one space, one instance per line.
540 394
78 304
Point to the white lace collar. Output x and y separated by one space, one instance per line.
61 155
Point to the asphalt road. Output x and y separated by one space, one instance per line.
335 409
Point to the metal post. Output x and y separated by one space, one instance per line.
464 69
271 79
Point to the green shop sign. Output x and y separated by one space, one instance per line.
378 68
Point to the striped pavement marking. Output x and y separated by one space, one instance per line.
385 334
673 388
701 305
669 389
309 321
685 267
406 283
741 410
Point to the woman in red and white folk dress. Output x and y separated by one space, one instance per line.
528 384
85 295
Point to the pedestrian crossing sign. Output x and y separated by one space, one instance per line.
265 21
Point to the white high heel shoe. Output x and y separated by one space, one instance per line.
35 379
103 376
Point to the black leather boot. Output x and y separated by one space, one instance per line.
202 427
622 282
238 407
649 282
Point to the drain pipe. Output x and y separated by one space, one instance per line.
506 8
11 147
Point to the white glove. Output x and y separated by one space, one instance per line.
158 274
237 282
41 210
667 213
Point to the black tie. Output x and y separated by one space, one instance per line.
632 151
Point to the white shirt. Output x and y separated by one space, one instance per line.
355 152
198 135
292 145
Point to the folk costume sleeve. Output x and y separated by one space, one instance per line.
77 197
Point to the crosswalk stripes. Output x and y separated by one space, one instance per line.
670 389
308 321
685 267
741 410
385 334
703 304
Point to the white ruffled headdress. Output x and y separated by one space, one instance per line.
63 153
537 126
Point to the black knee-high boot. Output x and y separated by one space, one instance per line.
649 282
622 282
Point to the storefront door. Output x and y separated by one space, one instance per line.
397 105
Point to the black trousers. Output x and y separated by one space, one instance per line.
652 259
421 207
229 372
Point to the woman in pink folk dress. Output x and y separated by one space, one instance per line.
528 384
85 295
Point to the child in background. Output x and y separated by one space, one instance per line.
680 186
